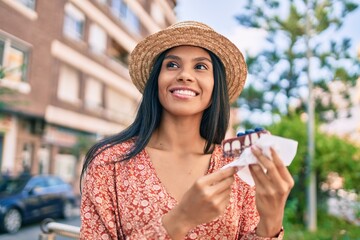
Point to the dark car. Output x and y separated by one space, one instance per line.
28 198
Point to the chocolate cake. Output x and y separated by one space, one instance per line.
235 146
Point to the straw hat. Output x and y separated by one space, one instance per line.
189 33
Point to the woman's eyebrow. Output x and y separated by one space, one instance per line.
197 59
173 57
202 59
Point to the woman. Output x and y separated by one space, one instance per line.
160 178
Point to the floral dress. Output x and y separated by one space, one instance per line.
126 200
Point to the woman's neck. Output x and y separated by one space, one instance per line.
180 135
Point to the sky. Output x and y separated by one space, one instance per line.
220 15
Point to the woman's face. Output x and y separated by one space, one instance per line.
186 81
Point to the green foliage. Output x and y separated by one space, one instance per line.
280 70
83 144
298 45
5 92
7 95
2 72
253 97
332 154
329 227
336 155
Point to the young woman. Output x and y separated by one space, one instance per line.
160 178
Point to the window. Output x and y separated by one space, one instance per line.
121 11
13 60
69 85
93 94
119 8
74 22
117 52
28 3
97 39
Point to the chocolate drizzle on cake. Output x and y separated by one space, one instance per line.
235 146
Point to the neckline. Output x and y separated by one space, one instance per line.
153 171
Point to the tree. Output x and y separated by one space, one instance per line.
83 144
333 155
302 35
278 73
2 72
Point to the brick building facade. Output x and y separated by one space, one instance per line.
65 62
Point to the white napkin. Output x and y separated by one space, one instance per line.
285 148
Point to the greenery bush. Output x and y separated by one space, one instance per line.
333 154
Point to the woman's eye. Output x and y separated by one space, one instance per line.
171 65
201 66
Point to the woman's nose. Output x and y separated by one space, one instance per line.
185 75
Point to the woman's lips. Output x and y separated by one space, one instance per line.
183 93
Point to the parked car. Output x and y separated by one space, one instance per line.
28 198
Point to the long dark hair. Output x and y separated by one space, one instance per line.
214 122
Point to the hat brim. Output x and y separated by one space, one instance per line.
143 56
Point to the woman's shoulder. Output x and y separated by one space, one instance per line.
113 153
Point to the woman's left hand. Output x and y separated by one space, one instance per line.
273 187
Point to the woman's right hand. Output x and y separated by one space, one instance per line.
203 202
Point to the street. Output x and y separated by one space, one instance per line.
32 231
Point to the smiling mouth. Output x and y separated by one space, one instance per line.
183 92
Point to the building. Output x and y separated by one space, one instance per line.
65 62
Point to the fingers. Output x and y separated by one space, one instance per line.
269 166
258 174
283 171
222 186
213 190
218 182
272 185
218 176
275 170
216 186
224 199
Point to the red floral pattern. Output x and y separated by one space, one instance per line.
126 200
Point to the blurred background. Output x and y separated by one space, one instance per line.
64 84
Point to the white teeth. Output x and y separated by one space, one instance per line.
185 92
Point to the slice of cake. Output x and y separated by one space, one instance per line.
235 146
